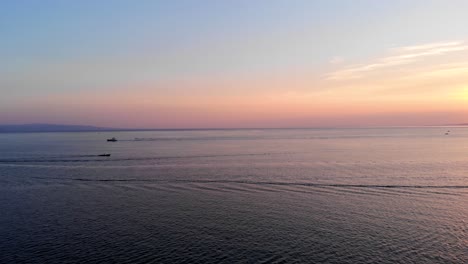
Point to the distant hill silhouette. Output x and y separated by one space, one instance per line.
50 128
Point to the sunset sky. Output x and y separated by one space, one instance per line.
245 63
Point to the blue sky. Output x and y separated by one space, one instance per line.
58 50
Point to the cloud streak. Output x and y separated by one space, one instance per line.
398 56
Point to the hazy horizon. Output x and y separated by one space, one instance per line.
201 64
38 127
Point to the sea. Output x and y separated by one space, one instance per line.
353 195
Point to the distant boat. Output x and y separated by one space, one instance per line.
111 139
104 155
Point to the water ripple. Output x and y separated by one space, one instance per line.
371 186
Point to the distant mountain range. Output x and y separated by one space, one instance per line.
50 128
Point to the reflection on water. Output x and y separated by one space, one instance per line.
395 195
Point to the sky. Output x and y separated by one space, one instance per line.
227 64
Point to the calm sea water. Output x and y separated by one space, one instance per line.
396 195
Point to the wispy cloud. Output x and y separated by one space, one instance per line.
398 56
429 46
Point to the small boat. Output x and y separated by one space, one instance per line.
104 155
111 139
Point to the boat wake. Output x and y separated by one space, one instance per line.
310 184
79 158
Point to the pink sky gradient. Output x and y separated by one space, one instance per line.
309 69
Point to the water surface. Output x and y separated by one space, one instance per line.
394 195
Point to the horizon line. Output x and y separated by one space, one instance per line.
93 128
